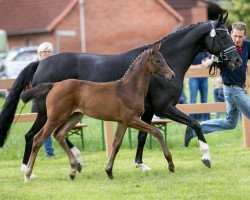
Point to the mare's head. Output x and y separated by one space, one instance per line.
220 43
156 64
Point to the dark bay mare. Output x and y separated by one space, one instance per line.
178 49
69 100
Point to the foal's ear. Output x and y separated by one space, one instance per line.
156 47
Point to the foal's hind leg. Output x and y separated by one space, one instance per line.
116 146
39 123
137 123
37 143
60 133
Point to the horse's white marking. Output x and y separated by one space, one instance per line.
26 179
22 169
77 154
143 167
205 150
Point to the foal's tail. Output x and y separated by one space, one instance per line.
10 105
37 91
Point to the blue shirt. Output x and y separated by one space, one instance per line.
199 57
237 76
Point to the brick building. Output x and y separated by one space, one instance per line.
110 26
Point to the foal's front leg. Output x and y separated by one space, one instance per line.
75 166
138 124
116 146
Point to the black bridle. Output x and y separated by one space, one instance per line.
224 53
223 56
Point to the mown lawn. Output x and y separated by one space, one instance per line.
229 177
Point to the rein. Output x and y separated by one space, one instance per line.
213 69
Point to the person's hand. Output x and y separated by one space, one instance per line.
207 62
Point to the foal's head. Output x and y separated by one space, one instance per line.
156 64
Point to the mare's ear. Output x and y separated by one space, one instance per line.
222 19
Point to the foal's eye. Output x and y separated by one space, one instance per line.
157 61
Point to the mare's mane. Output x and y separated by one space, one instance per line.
180 31
164 39
169 37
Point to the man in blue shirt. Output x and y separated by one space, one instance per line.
199 84
233 86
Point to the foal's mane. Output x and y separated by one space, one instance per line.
131 67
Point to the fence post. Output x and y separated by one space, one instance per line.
246 131
246 121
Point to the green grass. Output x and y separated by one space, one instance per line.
227 179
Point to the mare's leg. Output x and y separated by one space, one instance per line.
116 146
142 136
60 133
40 121
141 125
173 113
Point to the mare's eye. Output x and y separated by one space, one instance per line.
223 36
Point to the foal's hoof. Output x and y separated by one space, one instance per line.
79 168
72 177
110 175
26 179
207 163
171 168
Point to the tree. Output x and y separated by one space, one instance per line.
239 11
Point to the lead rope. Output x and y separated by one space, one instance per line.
213 70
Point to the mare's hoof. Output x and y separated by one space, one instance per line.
207 163
79 168
72 177
142 166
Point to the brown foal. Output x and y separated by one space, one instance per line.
121 101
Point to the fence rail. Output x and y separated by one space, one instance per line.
186 108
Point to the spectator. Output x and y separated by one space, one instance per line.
200 84
183 98
45 50
233 87
218 93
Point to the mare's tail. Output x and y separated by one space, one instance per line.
10 105
40 90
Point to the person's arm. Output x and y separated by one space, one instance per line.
248 50
248 69
207 62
